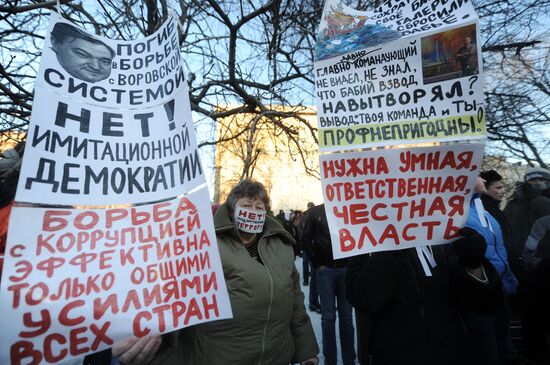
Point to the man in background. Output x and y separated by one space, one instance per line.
308 270
531 202
331 284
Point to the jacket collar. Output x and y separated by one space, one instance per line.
490 200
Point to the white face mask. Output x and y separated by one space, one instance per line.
249 220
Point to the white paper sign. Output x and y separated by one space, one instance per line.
405 72
398 198
75 281
117 157
111 121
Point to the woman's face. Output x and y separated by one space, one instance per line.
249 217
250 203
496 190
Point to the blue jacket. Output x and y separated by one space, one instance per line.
496 251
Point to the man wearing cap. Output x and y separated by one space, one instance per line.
530 202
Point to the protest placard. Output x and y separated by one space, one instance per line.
76 154
77 280
110 134
392 199
103 130
405 72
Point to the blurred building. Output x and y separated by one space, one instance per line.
511 172
266 149
9 140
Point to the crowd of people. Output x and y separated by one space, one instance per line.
460 312
456 310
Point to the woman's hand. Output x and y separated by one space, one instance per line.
313 361
136 351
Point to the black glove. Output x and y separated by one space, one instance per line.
544 246
470 249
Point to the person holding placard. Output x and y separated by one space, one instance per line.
270 325
529 203
489 334
416 314
10 164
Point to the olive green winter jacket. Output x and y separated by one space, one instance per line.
270 325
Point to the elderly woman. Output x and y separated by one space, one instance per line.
270 325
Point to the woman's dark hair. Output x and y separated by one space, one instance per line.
248 188
490 177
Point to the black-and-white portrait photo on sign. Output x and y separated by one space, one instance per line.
81 55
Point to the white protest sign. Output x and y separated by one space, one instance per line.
111 126
75 281
404 72
394 199
111 121
117 157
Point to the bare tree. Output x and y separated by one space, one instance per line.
238 53
516 61
248 56
519 107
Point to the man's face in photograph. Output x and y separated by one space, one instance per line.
85 60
